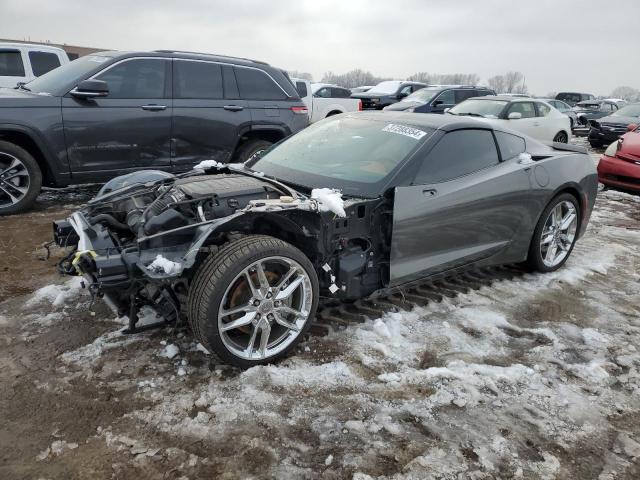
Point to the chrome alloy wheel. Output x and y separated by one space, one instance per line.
14 180
265 308
558 233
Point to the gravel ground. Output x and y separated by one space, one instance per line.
526 376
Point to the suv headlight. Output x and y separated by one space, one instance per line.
612 149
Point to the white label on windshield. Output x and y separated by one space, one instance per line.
403 130
97 59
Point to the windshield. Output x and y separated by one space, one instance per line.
587 106
58 77
423 95
386 88
628 111
355 155
483 108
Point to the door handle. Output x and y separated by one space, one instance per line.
233 108
154 108
429 192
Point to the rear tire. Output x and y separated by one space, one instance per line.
558 234
20 179
250 148
595 144
230 288
561 137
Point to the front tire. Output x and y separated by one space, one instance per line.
555 234
253 301
20 179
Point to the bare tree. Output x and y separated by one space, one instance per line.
512 82
354 78
445 78
497 83
629 94
302 75
423 77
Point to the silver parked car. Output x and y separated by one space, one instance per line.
355 205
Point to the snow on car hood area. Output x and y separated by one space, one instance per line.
530 376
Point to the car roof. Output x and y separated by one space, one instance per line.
426 120
507 98
183 54
29 45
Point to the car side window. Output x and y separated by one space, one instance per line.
462 95
340 93
324 92
510 145
301 87
11 63
43 62
447 97
141 78
406 90
524 108
254 84
456 154
197 80
543 110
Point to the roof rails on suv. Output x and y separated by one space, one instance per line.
186 52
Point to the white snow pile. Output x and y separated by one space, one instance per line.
57 294
329 200
170 351
525 157
208 164
164 265
57 448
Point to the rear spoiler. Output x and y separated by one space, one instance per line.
565 147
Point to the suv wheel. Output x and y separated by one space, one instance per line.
253 301
250 148
20 179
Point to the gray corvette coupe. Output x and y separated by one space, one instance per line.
353 206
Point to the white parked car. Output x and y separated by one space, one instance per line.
530 116
324 100
22 62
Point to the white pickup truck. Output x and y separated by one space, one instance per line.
324 100
22 62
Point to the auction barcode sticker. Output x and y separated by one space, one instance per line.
404 130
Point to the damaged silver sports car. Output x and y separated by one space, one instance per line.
353 206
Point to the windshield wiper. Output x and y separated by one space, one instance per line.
22 86
470 114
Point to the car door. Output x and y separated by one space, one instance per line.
462 94
465 204
130 128
444 100
263 95
12 67
208 114
528 124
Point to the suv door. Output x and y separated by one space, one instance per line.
12 67
263 95
465 204
461 94
208 114
444 100
130 128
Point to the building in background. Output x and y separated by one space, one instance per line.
73 51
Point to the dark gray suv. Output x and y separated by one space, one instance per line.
112 113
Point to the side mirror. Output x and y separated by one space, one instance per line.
446 110
632 127
402 95
437 103
515 116
90 89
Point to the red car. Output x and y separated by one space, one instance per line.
619 167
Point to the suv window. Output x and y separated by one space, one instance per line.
456 154
255 84
43 62
525 108
543 110
406 90
447 97
340 93
197 79
11 63
510 145
461 95
301 87
141 78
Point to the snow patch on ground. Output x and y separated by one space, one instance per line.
164 265
57 294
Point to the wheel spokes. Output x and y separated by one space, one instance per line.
262 278
265 332
567 220
285 323
14 163
239 322
286 293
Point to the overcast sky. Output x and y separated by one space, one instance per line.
583 45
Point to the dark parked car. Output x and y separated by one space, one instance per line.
608 129
386 93
243 252
111 113
593 110
437 98
573 97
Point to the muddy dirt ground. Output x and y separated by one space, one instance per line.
525 376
